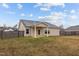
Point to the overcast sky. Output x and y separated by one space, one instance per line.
58 14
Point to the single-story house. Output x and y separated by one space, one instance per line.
72 30
38 28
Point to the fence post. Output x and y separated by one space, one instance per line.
18 34
1 34
23 33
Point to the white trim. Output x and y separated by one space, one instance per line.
35 31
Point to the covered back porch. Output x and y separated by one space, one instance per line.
38 30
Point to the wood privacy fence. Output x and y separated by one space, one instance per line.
69 33
11 34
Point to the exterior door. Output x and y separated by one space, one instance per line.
38 32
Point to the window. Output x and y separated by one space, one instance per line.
27 31
46 32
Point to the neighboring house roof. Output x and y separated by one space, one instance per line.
74 28
31 23
7 29
1 28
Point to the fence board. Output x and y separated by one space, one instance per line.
69 33
11 34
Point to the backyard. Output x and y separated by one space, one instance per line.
43 46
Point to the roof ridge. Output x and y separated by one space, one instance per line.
31 22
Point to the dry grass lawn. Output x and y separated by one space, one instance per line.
44 46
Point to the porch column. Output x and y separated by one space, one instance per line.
47 31
35 31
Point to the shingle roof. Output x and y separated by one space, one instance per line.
73 28
31 23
